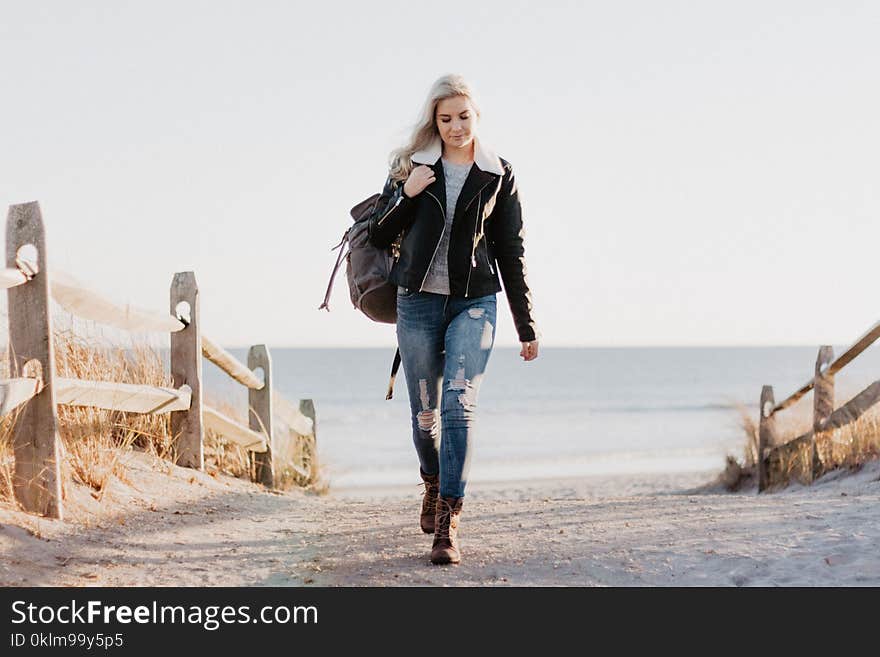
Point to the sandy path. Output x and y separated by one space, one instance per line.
599 531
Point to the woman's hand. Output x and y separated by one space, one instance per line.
529 350
419 178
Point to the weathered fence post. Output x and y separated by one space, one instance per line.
307 408
823 401
36 443
766 433
260 414
186 368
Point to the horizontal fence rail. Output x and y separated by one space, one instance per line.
834 367
82 302
229 364
37 391
12 278
232 430
803 450
129 397
133 398
293 417
15 392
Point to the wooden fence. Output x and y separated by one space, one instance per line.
35 390
802 451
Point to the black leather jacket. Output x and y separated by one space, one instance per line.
487 238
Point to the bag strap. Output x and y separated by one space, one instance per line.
326 304
394 367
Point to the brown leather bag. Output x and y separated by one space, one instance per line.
367 269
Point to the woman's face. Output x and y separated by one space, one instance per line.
456 120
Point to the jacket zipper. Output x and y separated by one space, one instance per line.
467 286
393 208
434 255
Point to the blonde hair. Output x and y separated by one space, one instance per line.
425 131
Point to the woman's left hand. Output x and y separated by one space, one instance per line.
529 350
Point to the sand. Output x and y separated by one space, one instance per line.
170 526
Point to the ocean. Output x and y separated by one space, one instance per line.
573 412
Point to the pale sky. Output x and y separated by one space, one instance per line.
697 173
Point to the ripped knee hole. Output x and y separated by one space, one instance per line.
428 420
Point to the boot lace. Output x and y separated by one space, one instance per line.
444 520
429 499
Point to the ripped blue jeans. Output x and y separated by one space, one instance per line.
444 342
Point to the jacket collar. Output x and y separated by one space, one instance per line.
484 157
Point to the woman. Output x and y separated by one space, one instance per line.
453 205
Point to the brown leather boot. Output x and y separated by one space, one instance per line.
429 501
445 547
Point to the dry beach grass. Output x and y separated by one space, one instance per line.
94 441
847 448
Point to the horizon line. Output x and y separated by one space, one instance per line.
575 346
